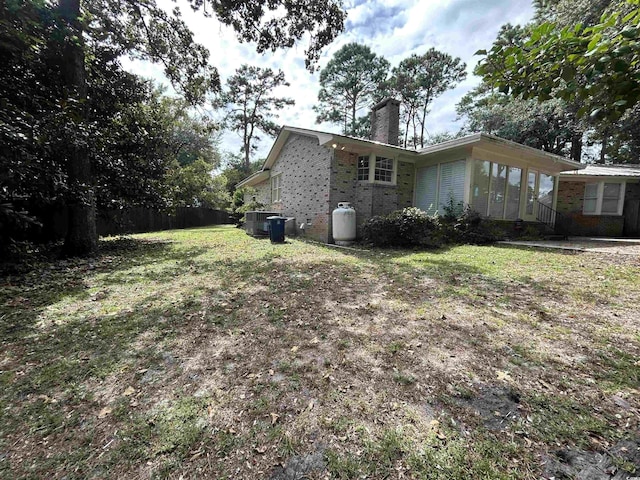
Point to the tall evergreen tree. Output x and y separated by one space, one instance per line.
353 80
417 81
251 105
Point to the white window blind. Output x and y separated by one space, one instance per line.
451 184
427 189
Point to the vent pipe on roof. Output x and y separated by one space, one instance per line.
385 121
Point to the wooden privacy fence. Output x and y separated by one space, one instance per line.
140 220
133 220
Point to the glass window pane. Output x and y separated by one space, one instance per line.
611 190
545 190
363 167
610 205
512 210
590 205
276 188
427 189
591 190
531 191
384 169
451 191
480 188
498 184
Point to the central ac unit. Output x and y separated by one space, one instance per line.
256 223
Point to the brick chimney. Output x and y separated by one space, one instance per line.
385 121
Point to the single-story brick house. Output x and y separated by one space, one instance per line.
308 172
601 200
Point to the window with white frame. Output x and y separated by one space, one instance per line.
363 167
376 169
384 170
276 187
590 198
603 198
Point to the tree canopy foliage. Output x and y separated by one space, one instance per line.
356 78
278 24
579 54
251 105
596 65
548 126
76 129
417 81
353 79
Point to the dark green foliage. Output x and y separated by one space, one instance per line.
281 23
550 125
77 130
413 227
251 207
251 106
408 227
353 80
417 81
470 227
594 65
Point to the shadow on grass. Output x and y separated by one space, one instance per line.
23 297
311 323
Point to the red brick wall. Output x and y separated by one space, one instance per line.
570 205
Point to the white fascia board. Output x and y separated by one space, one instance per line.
254 179
568 177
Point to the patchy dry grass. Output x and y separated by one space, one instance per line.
206 353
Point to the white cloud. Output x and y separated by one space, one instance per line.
392 28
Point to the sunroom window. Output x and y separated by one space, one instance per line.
496 190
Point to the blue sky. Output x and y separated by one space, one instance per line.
392 28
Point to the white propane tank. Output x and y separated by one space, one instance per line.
344 224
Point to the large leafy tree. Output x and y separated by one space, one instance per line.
252 106
418 80
550 126
353 79
595 65
583 53
47 47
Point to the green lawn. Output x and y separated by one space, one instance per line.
207 353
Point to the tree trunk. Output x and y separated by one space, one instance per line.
576 147
353 118
406 129
603 151
246 138
81 238
424 118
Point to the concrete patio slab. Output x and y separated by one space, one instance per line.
618 246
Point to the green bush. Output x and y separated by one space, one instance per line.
470 227
414 227
403 228
238 214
